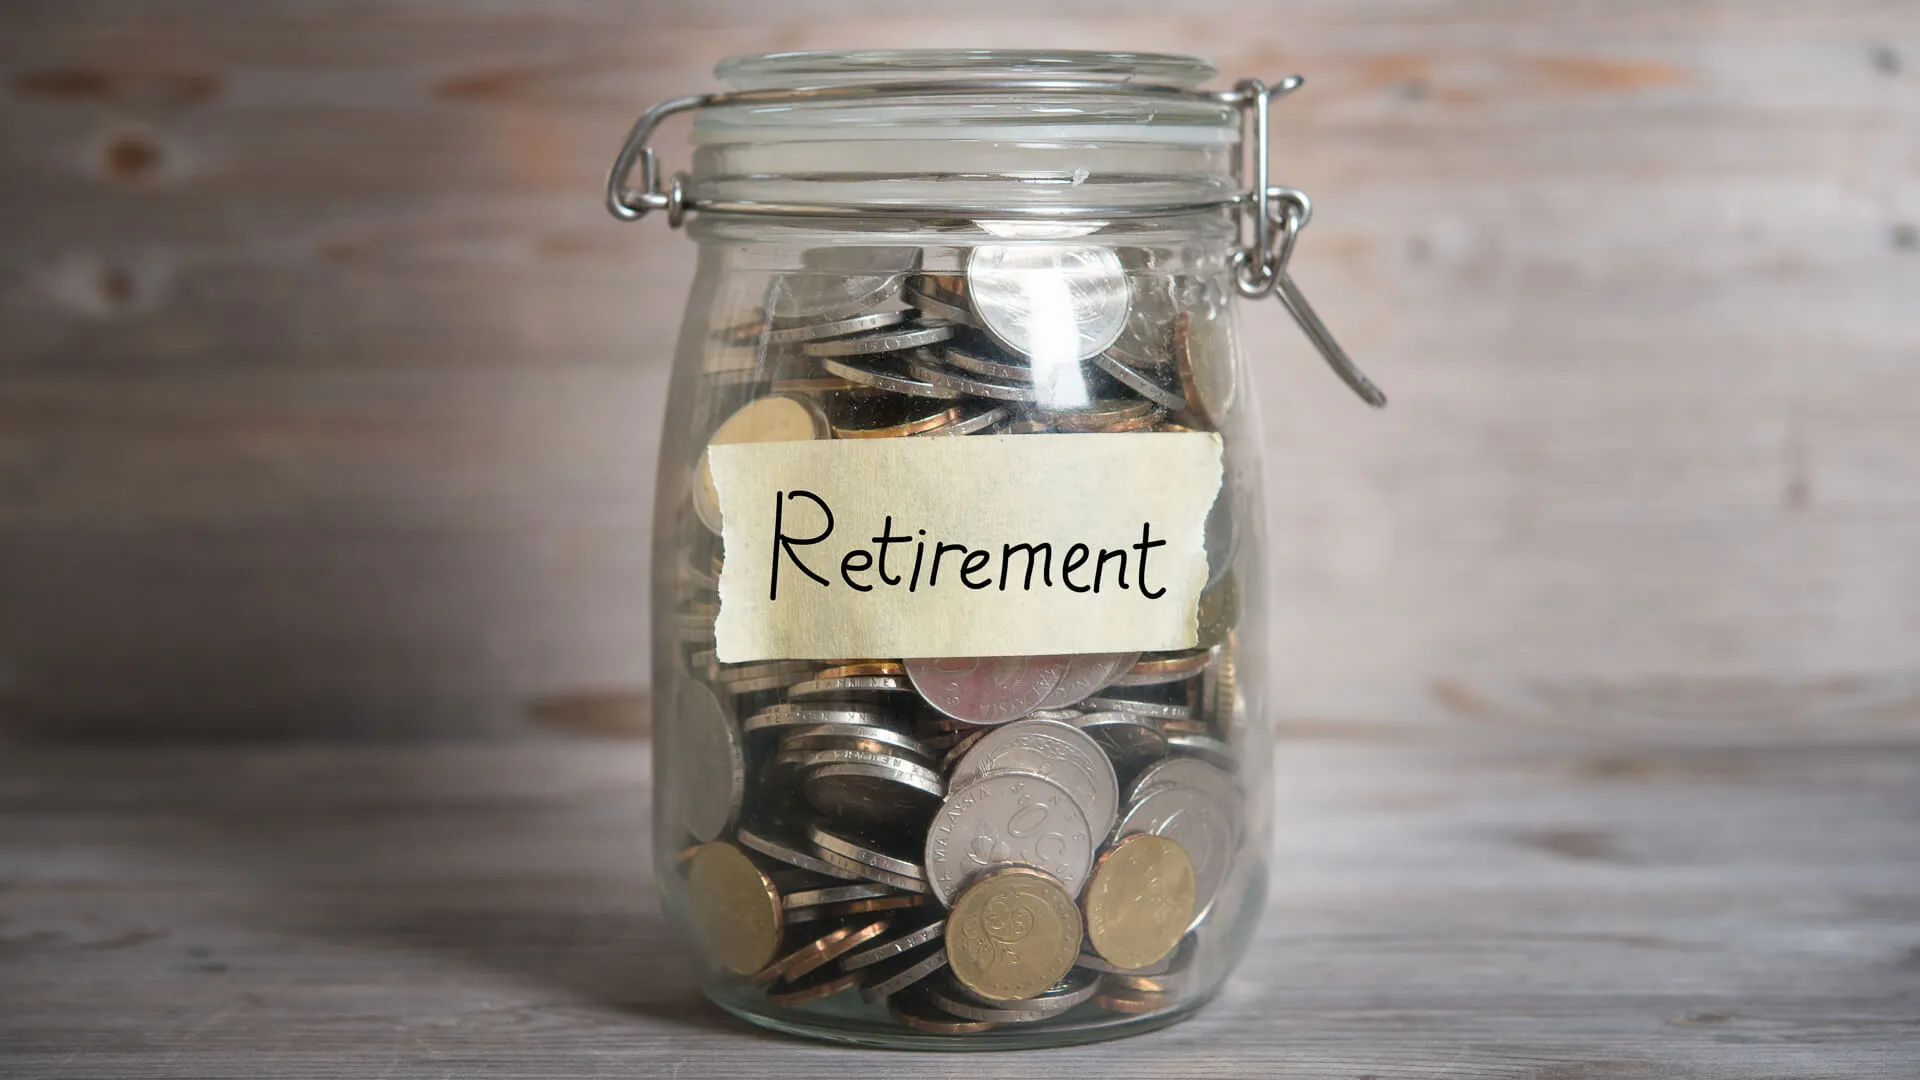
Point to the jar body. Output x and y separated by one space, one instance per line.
852 843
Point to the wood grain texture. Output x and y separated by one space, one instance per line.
1538 906
327 390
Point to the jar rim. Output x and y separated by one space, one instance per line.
846 66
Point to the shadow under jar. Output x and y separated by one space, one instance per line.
959 638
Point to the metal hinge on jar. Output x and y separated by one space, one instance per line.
1271 216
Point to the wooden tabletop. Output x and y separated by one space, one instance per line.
1506 904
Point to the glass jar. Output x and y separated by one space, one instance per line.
959 635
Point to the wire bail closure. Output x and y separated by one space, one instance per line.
1271 216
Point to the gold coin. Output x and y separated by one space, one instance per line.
775 418
1204 347
916 1012
1133 1004
824 985
858 668
919 425
1013 933
735 906
1139 900
813 954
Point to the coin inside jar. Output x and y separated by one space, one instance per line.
1053 303
709 760
1203 347
775 418
1139 901
986 689
1013 933
1004 818
736 908
1058 751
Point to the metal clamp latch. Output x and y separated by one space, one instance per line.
1271 216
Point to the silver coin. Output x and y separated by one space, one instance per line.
1140 382
826 841
986 689
1078 986
1060 752
710 763
1087 674
834 894
896 975
889 374
1102 415
895 946
1208 831
1186 772
1008 817
924 291
972 425
973 385
858 869
836 282
1054 303
851 684
1066 715
872 320
872 793
792 856
1156 709
788 717
1132 742
1204 747
959 750
975 357
898 339
843 736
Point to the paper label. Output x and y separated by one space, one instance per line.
980 545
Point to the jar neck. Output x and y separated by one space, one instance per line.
973 133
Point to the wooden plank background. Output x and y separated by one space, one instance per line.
328 392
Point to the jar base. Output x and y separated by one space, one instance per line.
869 1026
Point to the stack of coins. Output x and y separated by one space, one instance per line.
961 843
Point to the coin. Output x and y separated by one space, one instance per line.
915 1010
866 859
981 421
894 946
1140 382
929 416
775 418
1058 751
735 907
709 761
1075 988
1101 415
871 737
1156 709
821 984
986 689
834 894
835 282
1087 674
1206 748
860 668
1187 772
1203 348
1054 303
820 951
858 686
1203 827
1164 668
872 320
886 373
872 790
788 854
943 296
973 354
1013 933
788 717
1139 901
892 976
1008 817
891 340
896 902
1133 1003
972 385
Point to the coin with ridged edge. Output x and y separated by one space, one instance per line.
1013 933
736 908
1058 751
1008 817
1139 901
